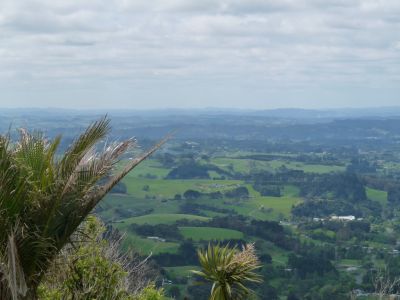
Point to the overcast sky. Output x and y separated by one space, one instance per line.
199 53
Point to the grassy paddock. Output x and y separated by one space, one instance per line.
149 167
168 188
146 246
377 195
246 165
258 207
182 271
210 233
154 219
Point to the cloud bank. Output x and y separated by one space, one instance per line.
191 53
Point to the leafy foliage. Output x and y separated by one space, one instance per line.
229 270
95 270
150 293
89 270
44 197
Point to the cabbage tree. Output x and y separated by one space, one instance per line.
229 270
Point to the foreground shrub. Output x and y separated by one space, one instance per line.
45 196
95 269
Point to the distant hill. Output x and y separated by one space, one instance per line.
280 113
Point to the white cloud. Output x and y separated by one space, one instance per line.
129 45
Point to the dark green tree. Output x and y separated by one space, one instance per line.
44 197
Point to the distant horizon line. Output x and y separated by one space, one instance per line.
38 108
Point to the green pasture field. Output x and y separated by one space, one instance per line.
280 206
349 262
168 188
324 232
209 233
246 165
239 165
160 199
239 153
308 168
389 166
132 206
213 174
211 214
380 264
125 201
157 195
146 246
154 219
286 191
149 166
377 195
279 256
258 207
181 271
290 191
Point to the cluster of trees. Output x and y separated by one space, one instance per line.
240 192
190 169
324 208
309 274
268 230
360 230
394 195
320 158
167 159
341 193
280 177
119 188
357 226
339 186
310 264
186 255
266 189
361 165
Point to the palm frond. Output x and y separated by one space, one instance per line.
12 278
14 188
73 157
43 200
104 189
